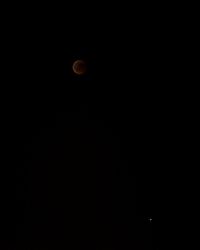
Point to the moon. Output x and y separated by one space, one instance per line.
79 67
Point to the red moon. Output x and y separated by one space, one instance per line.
79 67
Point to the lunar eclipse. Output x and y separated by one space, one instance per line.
79 67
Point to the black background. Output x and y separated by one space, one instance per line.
90 144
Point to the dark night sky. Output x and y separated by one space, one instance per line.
90 143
